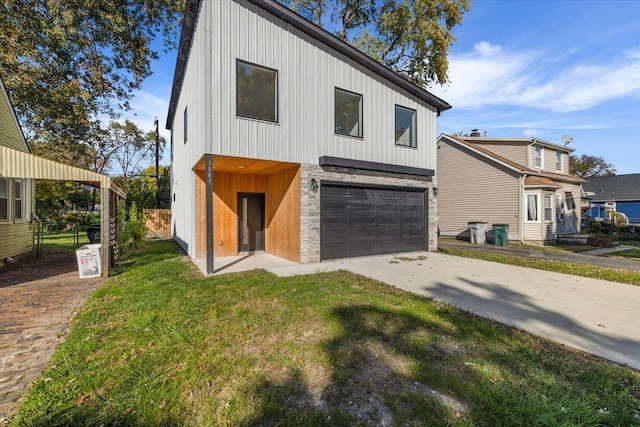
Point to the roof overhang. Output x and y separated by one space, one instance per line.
340 162
540 182
18 164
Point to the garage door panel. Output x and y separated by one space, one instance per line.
358 221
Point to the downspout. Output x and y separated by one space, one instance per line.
521 209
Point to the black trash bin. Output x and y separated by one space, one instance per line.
500 234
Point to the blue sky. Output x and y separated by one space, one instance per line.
521 68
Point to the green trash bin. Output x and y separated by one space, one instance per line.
500 234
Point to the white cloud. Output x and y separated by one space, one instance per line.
489 75
530 133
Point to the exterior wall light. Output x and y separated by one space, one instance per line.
314 185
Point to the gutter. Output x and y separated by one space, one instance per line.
521 221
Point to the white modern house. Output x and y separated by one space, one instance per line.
289 141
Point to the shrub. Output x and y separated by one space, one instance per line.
600 241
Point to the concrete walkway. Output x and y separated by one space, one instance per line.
38 299
592 315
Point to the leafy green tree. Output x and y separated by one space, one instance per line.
141 189
412 37
130 148
587 166
66 63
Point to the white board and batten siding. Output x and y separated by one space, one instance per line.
471 188
308 73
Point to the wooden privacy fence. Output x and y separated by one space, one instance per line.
158 222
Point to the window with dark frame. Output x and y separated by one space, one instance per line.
256 92
405 127
4 199
184 136
348 113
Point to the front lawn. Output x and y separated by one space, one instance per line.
627 253
161 345
583 270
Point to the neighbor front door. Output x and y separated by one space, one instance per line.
250 222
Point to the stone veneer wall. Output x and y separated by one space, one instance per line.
310 201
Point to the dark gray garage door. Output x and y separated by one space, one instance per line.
357 221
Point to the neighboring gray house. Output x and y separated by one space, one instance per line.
523 182
289 141
618 193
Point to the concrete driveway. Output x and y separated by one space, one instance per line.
592 315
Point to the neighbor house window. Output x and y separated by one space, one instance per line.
256 92
348 113
405 126
537 156
532 207
184 117
559 208
548 209
18 196
558 161
4 199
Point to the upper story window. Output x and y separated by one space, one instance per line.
537 156
18 197
4 199
256 92
348 113
558 161
184 117
405 127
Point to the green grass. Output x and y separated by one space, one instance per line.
160 345
628 253
63 241
583 270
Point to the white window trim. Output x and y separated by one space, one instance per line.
544 207
22 198
559 162
559 207
8 198
536 157
526 207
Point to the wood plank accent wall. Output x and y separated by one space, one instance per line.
226 187
201 215
283 214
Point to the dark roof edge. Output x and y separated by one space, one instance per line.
373 166
290 17
191 12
